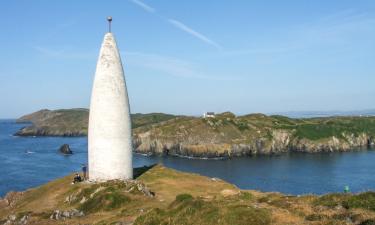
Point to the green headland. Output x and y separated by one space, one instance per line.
225 135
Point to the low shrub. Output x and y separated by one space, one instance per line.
364 200
314 217
368 222
330 200
183 197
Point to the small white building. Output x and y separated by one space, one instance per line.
209 115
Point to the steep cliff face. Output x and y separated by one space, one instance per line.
229 136
332 144
145 144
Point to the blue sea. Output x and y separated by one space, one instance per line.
27 162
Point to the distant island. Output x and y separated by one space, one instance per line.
160 195
224 135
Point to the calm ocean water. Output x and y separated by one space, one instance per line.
30 161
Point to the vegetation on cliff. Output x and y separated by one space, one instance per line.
64 122
160 195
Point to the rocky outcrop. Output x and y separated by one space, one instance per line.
13 220
334 144
65 149
10 199
66 214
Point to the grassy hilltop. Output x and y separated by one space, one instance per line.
160 195
74 122
226 135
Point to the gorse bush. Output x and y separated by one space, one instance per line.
364 200
183 197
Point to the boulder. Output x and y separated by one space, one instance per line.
65 214
12 219
11 198
65 149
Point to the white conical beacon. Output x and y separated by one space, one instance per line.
109 133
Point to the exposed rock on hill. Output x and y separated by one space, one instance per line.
65 149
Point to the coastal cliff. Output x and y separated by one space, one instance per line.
160 195
225 135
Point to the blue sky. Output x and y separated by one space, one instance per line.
187 57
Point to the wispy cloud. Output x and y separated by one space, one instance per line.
179 25
335 30
170 66
63 53
143 6
196 34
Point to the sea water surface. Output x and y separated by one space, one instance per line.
27 162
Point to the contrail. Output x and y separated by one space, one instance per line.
194 33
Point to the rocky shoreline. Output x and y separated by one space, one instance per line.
224 136
30 131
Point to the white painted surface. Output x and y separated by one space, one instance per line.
109 134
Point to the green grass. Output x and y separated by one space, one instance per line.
242 125
139 119
315 129
246 196
104 196
276 200
188 210
330 200
107 199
